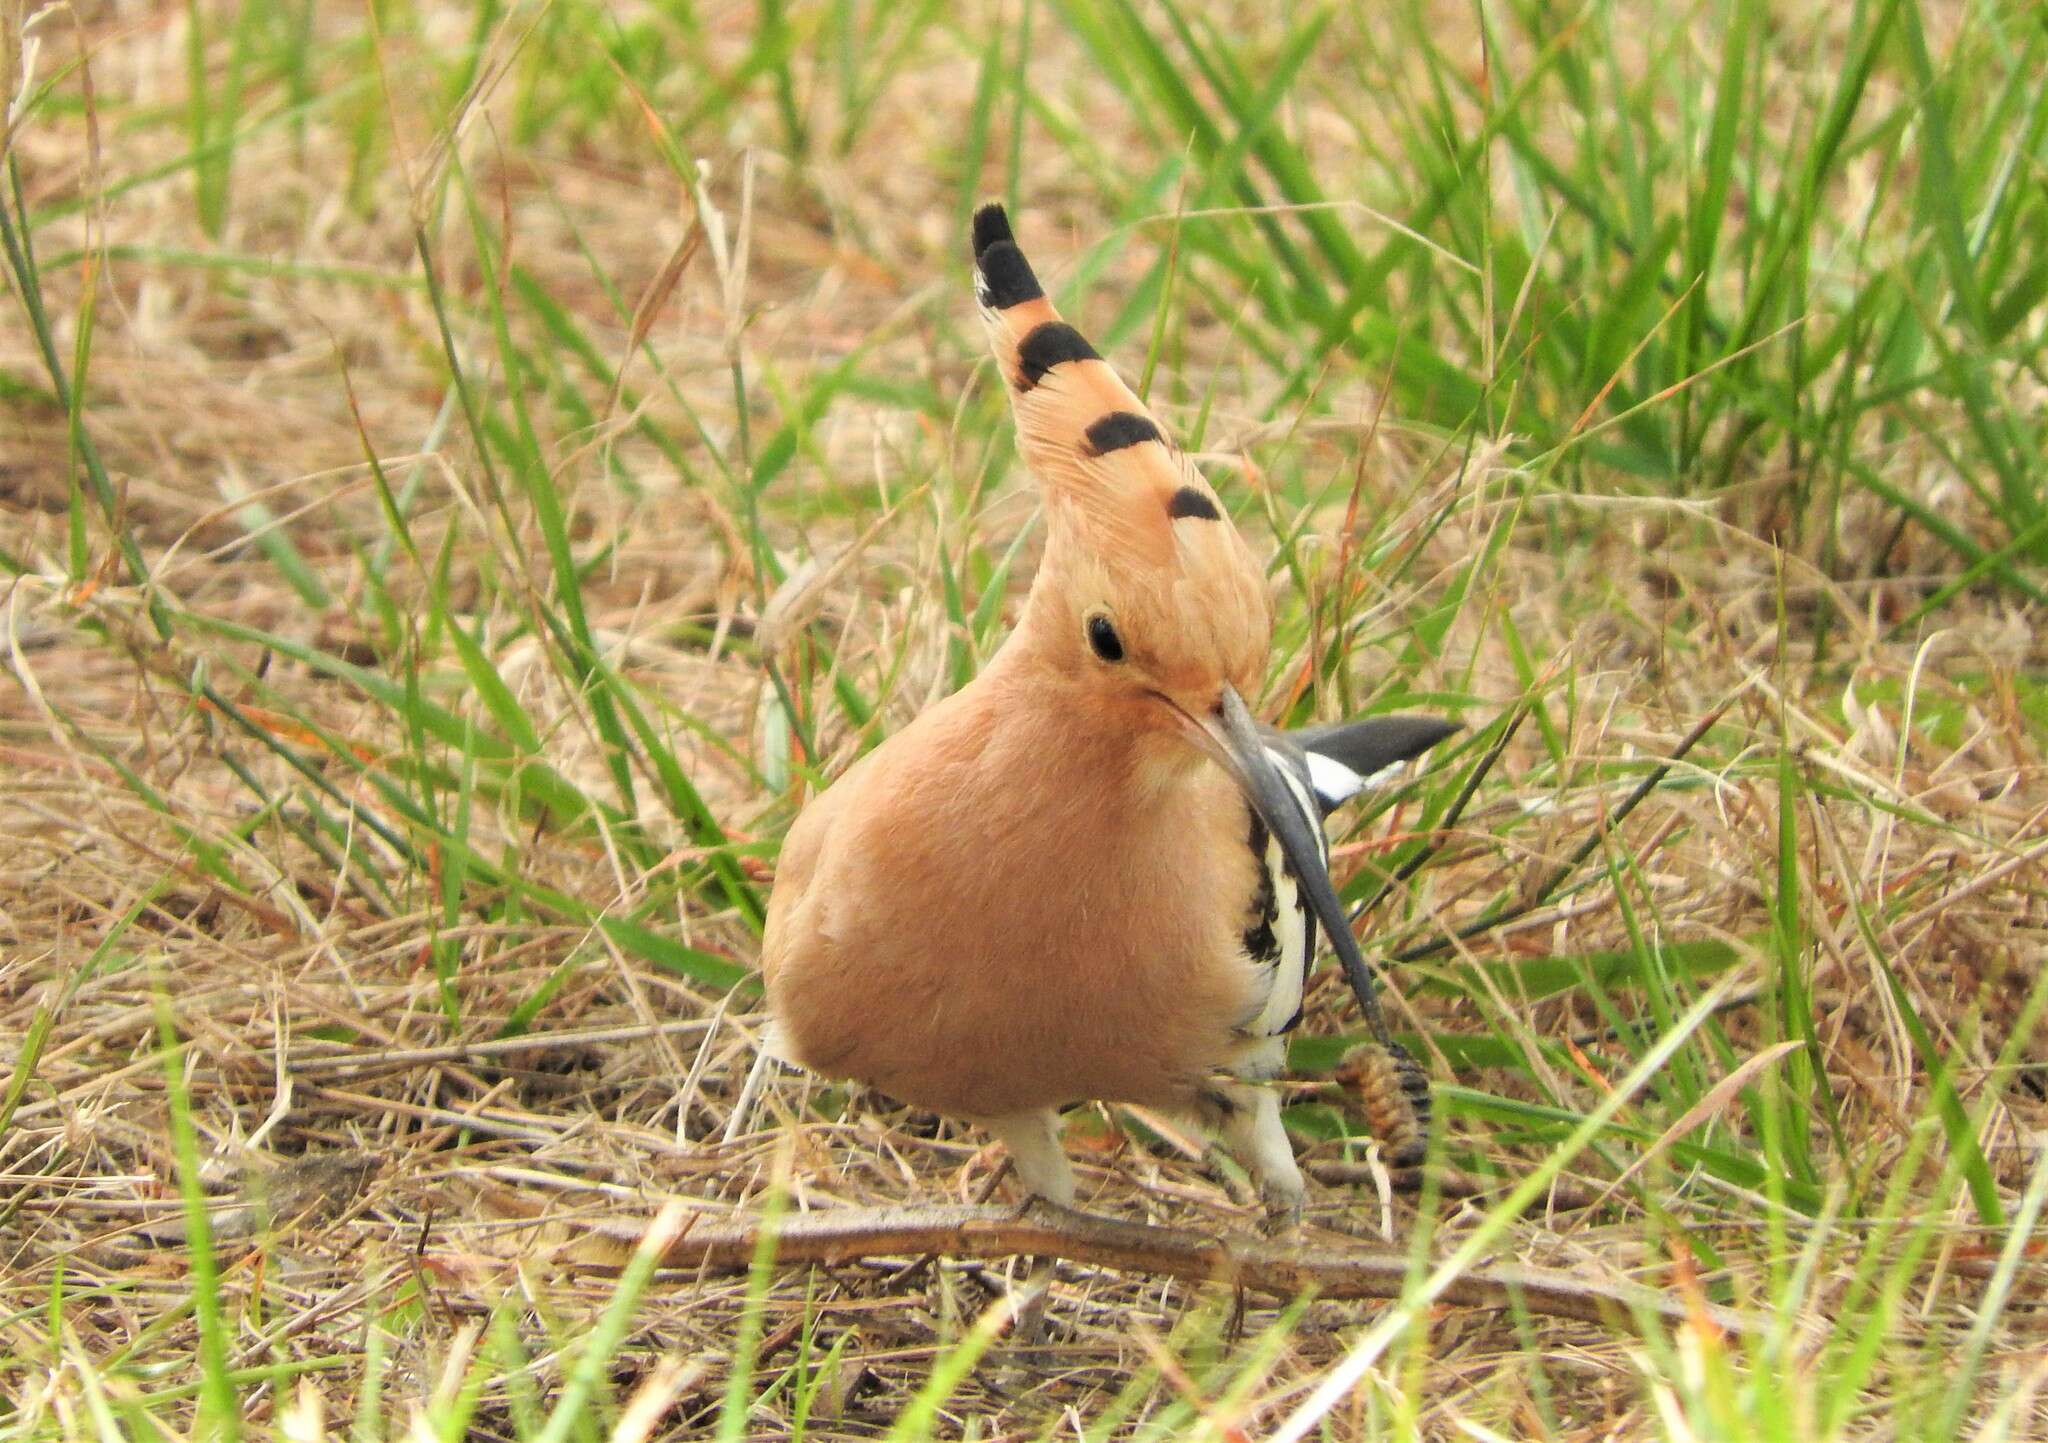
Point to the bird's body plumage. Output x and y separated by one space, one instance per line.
1073 879
1092 873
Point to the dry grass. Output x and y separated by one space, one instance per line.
381 1157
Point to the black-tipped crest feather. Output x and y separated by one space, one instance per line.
1049 345
1002 277
1119 429
991 224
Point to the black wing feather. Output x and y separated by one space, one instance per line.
1369 746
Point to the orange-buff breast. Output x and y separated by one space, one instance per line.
1017 903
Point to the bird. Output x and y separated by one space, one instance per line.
1088 875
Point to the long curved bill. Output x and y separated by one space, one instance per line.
1232 739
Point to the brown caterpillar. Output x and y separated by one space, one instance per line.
1392 1091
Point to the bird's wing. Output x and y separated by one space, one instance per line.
1323 767
1343 760
1281 937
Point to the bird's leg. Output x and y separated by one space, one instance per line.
1033 1139
1041 1166
1249 1120
750 1092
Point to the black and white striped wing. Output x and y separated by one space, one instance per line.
1352 757
1323 768
1280 935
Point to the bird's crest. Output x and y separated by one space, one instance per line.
1103 459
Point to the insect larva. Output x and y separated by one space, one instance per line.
1392 1091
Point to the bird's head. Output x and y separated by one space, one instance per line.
1147 595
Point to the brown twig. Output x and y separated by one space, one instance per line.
1282 1269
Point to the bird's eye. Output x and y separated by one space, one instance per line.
1103 640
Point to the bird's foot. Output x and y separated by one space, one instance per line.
1283 1206
1228 1178
1018 1365
1040 1167
1249 1119
1037 1207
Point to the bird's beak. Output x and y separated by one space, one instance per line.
1230 738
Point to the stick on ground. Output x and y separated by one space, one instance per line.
1281 1269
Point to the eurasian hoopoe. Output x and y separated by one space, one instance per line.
1088 874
